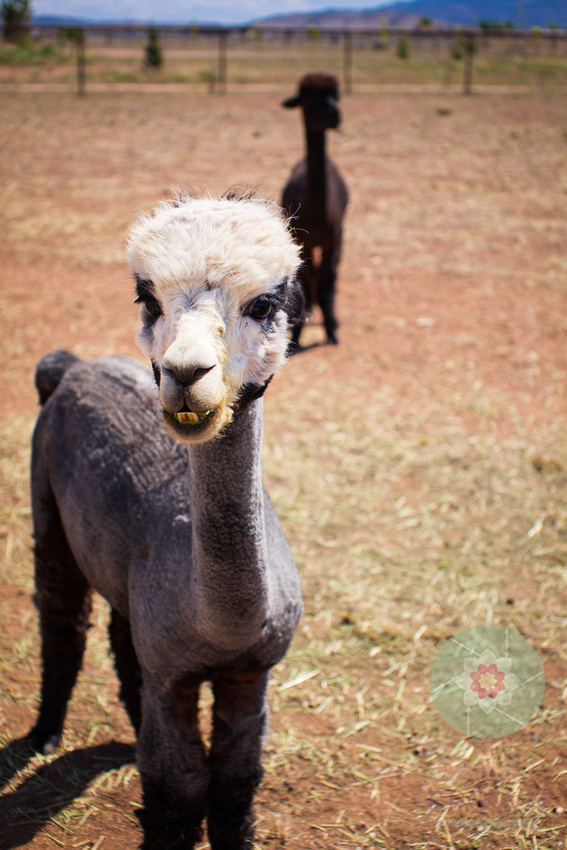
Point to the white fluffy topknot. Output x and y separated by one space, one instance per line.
238 242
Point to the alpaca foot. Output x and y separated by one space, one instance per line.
44 742
293 348
168 829
332 339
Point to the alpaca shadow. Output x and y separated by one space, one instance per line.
25 811
294 350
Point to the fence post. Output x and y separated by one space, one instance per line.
469 45
222 61
81 63
347 61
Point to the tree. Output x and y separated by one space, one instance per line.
16 18
153 57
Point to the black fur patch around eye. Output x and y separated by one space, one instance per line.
146 296
294 302
144 289
279 295
287 296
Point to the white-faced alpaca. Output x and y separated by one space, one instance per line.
169 520
315 198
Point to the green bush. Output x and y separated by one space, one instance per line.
403 51
48 51
153 56
456 50
206 75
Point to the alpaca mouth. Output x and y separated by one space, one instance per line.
189 419
190 427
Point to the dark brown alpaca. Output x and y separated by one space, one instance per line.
316 198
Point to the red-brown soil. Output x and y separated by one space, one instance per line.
453 308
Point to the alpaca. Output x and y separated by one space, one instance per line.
165 515
316 197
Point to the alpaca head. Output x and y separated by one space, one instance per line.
216 282
317 95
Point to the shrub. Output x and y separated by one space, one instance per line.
403 51
153 57
209 77
456 49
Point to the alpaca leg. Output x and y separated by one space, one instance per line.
173 767
326 286
127 667
63 598
295 334
240 721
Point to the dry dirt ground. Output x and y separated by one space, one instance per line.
419 467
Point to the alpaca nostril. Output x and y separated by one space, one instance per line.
199 372
186 375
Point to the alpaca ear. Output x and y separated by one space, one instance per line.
291 102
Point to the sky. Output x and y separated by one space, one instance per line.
187 11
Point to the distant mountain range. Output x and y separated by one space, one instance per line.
522 14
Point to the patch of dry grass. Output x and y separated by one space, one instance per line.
15 508
407 534
420 468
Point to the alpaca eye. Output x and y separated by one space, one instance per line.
152 308
261 308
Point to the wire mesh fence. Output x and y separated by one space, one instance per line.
216 57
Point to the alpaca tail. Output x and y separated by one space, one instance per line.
50 370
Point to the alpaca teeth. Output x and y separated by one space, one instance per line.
187 418
190 418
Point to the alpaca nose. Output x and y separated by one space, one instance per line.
187 375
188 369
334 113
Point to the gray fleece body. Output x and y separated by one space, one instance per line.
182 541
149 490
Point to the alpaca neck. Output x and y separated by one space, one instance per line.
229 537
316 168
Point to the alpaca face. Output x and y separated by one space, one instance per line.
320 109
216 281
318 97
